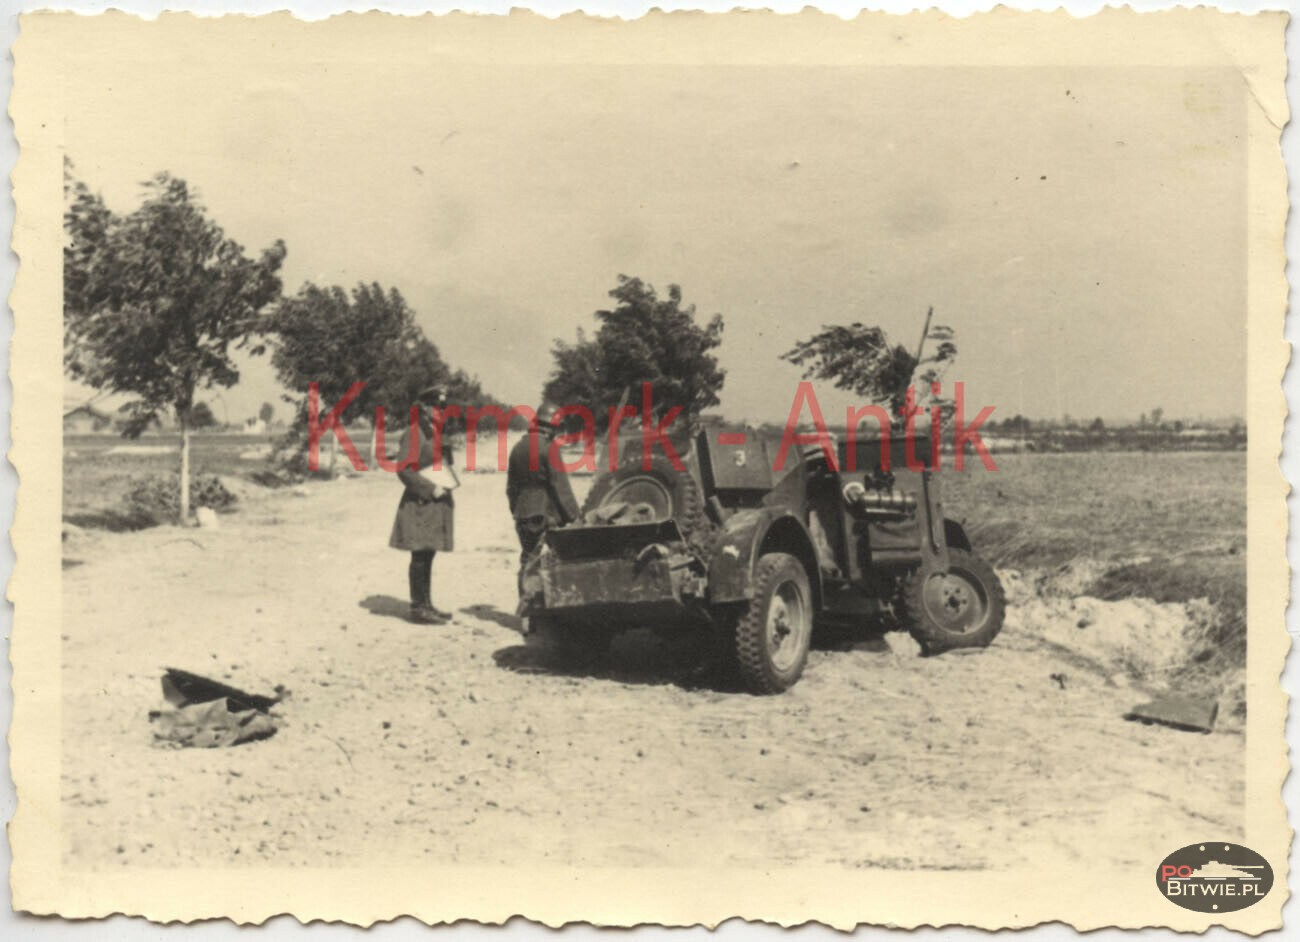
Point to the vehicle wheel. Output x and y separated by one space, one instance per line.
775 629
671 494
961 608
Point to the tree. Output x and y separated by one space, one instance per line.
1017 425
412 363
336 339
266 413
155 300
86 222
643 339
863 360
201 416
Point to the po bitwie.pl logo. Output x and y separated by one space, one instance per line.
1214 878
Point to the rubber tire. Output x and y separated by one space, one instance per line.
753 659
931 634
687 503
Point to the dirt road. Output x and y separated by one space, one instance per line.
456 743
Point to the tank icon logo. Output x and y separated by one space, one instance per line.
1214 878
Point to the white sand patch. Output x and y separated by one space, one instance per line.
1140 637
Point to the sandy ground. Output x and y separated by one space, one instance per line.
456 743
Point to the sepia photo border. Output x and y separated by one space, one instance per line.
624 897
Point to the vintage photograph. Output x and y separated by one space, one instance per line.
531 447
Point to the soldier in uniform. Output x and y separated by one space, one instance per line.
539 497
425 512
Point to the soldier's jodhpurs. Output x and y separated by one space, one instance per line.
530 531
420 575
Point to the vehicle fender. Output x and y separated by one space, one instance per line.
745 537
955 535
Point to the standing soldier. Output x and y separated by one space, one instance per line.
540 497
425 513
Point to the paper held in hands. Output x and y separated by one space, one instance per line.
443 477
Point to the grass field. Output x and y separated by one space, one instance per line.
1178 518
98 469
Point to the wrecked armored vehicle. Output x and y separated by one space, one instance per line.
755 553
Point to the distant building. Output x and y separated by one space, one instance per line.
997 444
254 426
86 420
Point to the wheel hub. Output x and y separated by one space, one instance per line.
955 597
955 601
780 623
787 623
643 490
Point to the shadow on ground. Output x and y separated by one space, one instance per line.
115 521
494 615
386 606
642 657
635 657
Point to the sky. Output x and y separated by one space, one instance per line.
1082 230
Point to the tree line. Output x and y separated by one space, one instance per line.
157 301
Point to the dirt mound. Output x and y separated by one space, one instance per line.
1139 641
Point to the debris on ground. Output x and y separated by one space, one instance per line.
1193 714
206 713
